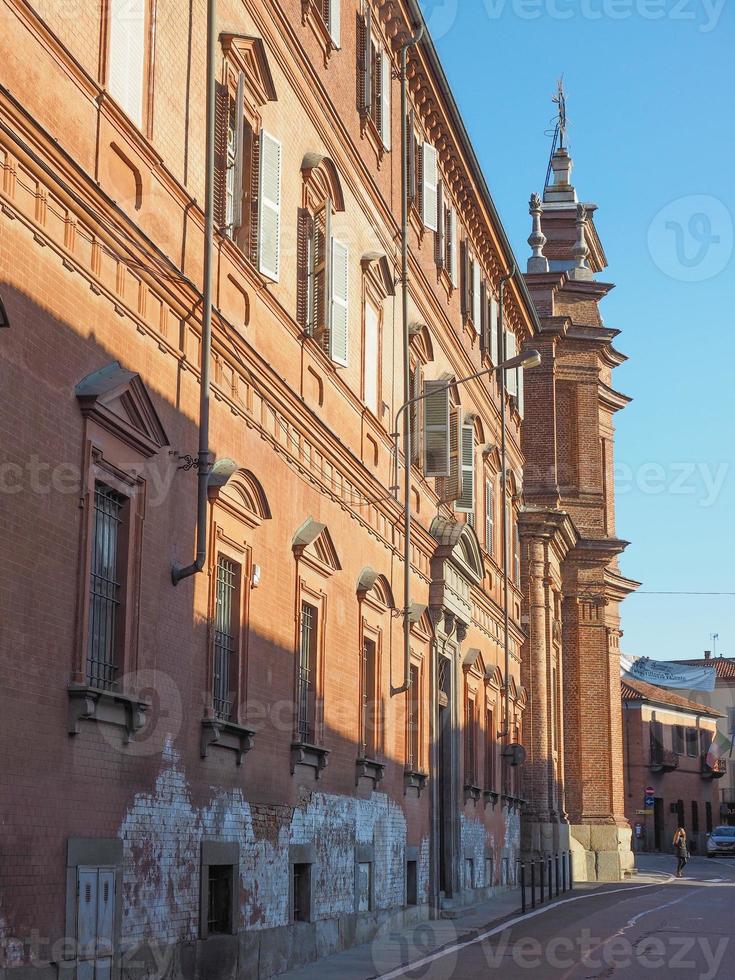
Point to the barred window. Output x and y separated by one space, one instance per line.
306 694
106 583
413 760
369 698
226 629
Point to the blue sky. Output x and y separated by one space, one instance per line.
651 104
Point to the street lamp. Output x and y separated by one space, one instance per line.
526 359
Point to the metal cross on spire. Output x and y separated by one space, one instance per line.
560 124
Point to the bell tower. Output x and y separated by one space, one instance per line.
574 585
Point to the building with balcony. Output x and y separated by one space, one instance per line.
666 738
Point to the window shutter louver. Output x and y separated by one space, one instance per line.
436 429
511 377
466 283
306 270
466 499
521 393
441 222
127 56
415 413
339 316
483 328
411 155
386 71
269 206
453 246
430 180
493 329
489 516
476 296
370 358
453 487
367 61
254 197
239 160
221 122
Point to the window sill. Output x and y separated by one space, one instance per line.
472 792
305 754
311 15
112 707
370 132
491 796
227 735
369 769
414 779
514 803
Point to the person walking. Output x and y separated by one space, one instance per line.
680 849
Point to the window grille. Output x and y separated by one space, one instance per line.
414 751
104 604
307 657
225 636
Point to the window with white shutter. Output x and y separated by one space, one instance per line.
466 500
127 56
511 377
429 186
436 429
332 14
371 358
489 517
493 330
452 246
521 400
269 206
339 314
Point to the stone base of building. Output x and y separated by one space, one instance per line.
543 837
601 852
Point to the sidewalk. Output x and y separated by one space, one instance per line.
395 947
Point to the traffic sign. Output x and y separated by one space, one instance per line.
649 801
644 813
650 791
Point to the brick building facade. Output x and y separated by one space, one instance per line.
571 579
219 778
665 742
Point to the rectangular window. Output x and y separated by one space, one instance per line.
429 186
226 632
692 742
413 760
679 740
301 894
466 501
330 10
219 909
306 694
126 76
516 556
369 698
470 741
364 886
371 357
490 749
107 580
269 206
411 882
489 517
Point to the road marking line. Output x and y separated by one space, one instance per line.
509 925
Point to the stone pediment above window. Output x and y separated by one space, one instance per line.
313 545
117 400
321 182
247 55
491 455
420 341
238 491
377 270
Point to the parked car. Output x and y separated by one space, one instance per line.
721 841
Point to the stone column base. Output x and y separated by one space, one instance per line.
540 837
601 853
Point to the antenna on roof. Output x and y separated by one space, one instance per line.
560 125
714 637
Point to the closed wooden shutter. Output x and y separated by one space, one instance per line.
127 56
466 499
339 317
322 309
436 429
511 377
476 296
441 223
415 413
521 393
430 181
452 243
453 487
221 130
493 330
305 271
239 162
269 206
366 53
489 516
411 154
371 358
386 81
334 21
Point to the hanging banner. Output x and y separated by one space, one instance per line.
666 674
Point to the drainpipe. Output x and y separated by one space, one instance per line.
407 449
505 734
179 572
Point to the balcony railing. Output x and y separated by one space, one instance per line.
715 771
663 760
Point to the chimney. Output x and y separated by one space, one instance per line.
707 654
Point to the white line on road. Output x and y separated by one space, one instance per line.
510 924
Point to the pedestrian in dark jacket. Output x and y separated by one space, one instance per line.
680 849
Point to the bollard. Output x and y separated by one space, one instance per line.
533 884
556 873
564 871
523 889
551 884
571 871
541 883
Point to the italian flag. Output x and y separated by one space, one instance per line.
720 747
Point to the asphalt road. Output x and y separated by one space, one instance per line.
671 928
